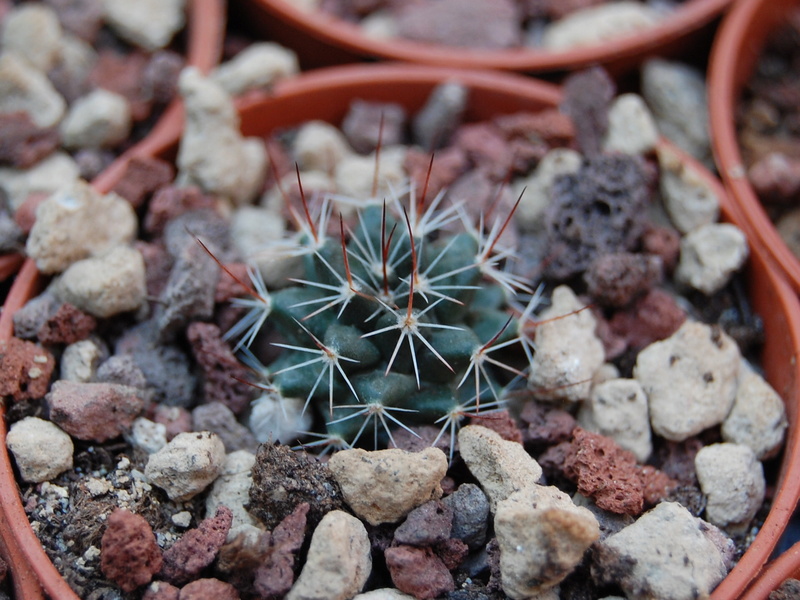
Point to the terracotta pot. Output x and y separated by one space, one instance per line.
326 95
775 573
733 58
323 40
34 576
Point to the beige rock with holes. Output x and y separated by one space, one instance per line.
542 536
383 486
149 24
710 255
66 228
690 380
758 417
501 467
101 119
568 352
339 560
597 24
257 67
32 31
213 154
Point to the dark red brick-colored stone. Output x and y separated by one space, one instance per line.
418 571
25 370
197 548
143 176
67 326
129 554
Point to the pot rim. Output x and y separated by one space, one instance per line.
768 289
733 56
335 32
785 566
34 575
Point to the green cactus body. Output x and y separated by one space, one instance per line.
393 323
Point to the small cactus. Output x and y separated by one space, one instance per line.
396 320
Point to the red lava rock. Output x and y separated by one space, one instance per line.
776 177
362 125
228 287
604 472
490 24
546 425
655 316
197 548
129 554
448 165
122 74
25 370
208 589
598 210
170 202
223 373
664 242
548 126
22 142
67 326
616 279
587 97
175 418
94 411
275 575
142 177
426 525
418 571
161 590
657 485
452 552
486 147
501 422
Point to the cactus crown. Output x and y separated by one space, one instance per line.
396 319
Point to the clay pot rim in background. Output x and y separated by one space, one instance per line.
33 574
325 40
733 58
410 85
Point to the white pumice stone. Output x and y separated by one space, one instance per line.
597 24
319 146
690 380
41 450
339 560
631 127
232 489
23 88
688 199
666 553
149 24
383 486
710 255
66 228
542 536
732 478
107 285
101 119
758 417
57 171
257 67
502 467
187 465
568 351
32 31
213 154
